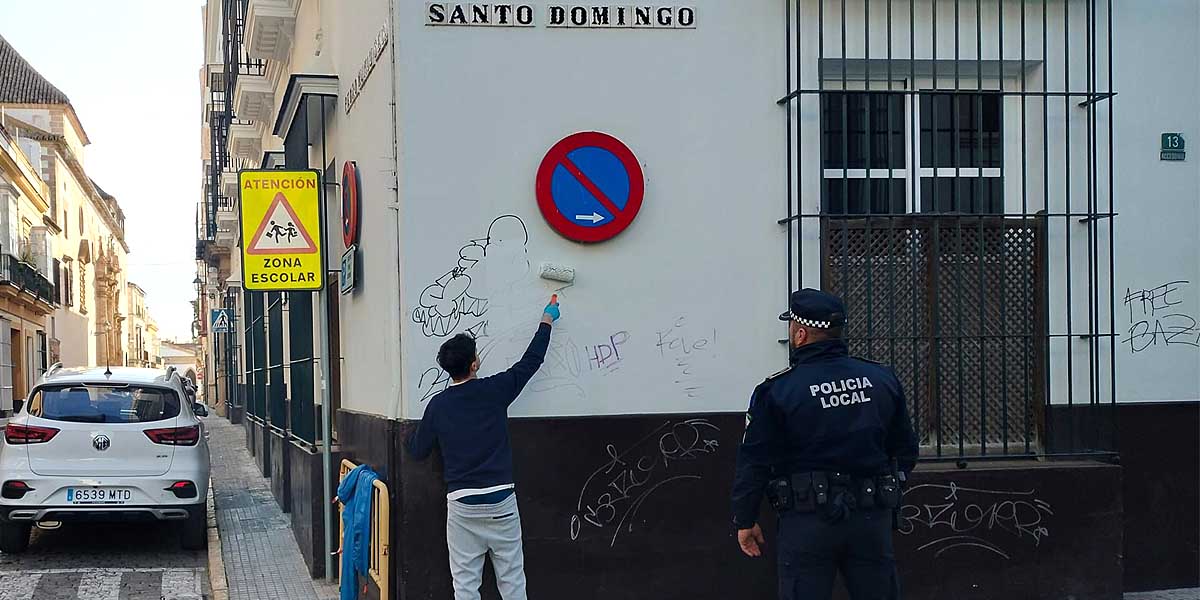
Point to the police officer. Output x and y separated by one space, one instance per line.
828 441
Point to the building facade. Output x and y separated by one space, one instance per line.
76 243
142 348
1000 191
27 296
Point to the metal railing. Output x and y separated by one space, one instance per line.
26 277
378 566
964 210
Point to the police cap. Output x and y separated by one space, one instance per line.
816 309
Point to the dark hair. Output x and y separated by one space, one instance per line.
831 333
456 355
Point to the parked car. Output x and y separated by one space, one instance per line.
104 444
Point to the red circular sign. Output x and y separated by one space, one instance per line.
589 187
350 206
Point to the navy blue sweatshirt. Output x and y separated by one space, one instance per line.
469 423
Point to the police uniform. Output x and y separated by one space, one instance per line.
828 441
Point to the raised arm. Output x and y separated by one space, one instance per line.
519 374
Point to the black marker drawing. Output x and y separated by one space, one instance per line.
1155 319
445 302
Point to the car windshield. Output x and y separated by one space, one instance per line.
104 404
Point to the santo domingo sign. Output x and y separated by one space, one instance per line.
282 247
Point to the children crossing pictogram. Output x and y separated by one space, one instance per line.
281 231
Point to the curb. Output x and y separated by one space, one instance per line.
216 562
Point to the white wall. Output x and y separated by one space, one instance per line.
690 291
1156 200
370 332
1158 79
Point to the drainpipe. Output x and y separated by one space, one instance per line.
395 207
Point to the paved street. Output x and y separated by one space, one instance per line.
104 562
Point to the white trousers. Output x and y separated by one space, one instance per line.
474 531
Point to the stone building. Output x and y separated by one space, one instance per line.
77 242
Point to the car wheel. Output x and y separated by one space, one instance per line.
14 537
194 535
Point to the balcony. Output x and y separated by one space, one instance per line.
270 26
229 184
22 280
245 140
253 97
227 222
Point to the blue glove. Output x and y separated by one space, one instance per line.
552 310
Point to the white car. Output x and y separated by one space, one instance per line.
104 445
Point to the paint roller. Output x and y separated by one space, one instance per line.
561 276
557 272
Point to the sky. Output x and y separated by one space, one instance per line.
131 69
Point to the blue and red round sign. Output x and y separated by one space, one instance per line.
589 187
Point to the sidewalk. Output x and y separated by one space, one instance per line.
262 560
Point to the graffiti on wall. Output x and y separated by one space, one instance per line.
612 495
1158 319
961 518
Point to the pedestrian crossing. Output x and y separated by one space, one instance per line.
102 584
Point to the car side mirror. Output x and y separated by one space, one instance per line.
200 409
17 404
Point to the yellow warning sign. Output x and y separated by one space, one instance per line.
281 230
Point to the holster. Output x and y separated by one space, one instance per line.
888 492
780 494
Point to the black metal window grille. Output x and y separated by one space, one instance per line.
276 362
256 354
965 210
232 351
301 365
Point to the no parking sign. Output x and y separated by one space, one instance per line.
589 187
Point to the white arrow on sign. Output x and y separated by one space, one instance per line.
594 217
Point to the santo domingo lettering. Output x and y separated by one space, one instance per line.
842 392
304 276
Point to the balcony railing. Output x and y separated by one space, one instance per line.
27 278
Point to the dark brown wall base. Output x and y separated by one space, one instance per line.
1012 530
372 440
280 473
637 507
1160 451
257 435
307 495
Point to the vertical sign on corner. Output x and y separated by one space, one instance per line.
281 214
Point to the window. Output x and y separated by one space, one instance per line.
961 153
68 284
863 150
57 275
92 403
868 154
40 352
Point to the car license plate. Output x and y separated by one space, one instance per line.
98 495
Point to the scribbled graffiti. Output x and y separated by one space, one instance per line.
1157 319
613 494
972 518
